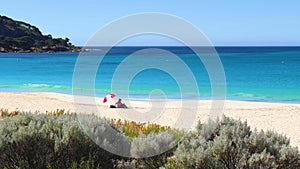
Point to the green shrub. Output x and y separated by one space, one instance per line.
85 164
37 141
134 129
105 135
57 140
6 113
57 112
150 151
233 145
152 144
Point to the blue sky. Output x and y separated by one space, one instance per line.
225 23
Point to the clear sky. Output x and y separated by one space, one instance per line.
225 23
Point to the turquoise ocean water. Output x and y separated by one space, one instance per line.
270 74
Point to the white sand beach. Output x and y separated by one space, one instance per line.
282 118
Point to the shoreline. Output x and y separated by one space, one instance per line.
280 117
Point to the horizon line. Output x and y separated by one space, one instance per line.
190 46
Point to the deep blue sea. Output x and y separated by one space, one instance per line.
268 74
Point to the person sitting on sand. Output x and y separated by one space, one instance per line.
119 104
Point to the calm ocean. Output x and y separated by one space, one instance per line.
269 74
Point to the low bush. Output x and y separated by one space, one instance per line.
134 129
56 112
57 140
5 113
150 151
83 164
233 145
39 141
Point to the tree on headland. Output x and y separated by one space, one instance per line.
18 36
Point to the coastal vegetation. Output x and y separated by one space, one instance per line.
57 140
18 36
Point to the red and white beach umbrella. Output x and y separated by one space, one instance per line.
107 97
